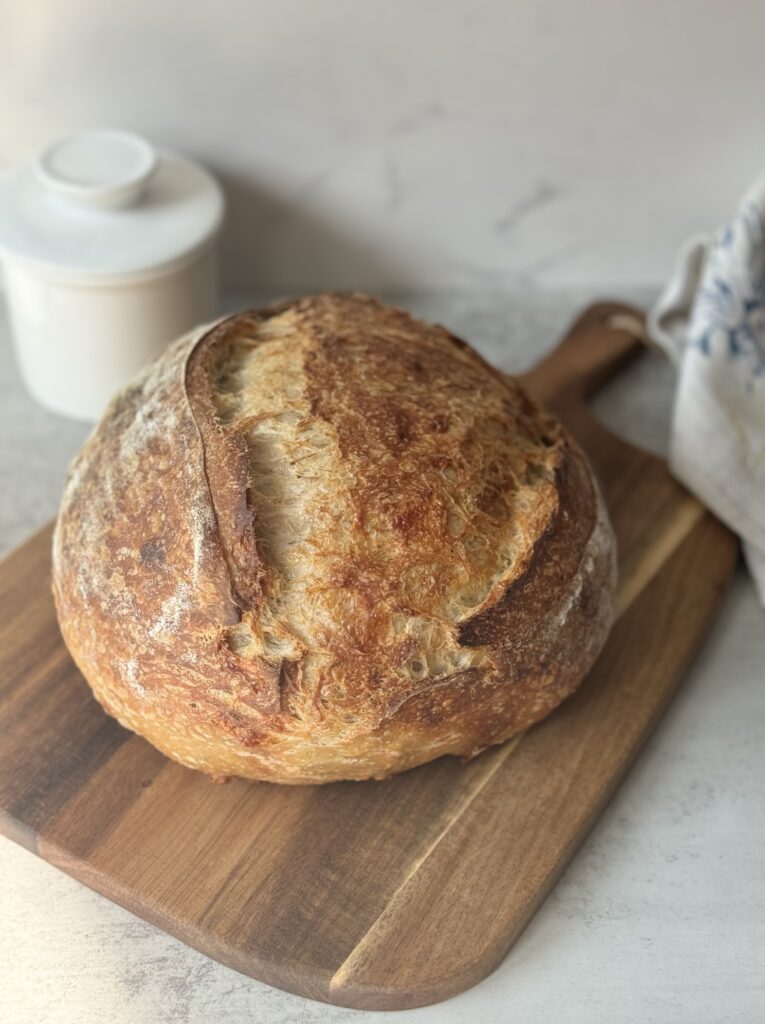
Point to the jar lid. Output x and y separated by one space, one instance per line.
105 204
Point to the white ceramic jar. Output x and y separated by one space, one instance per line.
108 252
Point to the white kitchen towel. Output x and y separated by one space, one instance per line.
710 321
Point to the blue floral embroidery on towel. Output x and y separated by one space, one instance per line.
730 304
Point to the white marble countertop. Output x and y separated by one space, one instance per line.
661 915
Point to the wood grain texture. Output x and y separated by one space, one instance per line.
376 895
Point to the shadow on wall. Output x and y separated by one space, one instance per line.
275 242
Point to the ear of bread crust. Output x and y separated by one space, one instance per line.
227 472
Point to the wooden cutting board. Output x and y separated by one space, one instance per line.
379 894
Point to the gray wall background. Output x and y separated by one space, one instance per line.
443 143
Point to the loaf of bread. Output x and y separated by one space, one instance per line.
327 541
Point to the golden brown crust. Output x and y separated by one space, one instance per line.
324 541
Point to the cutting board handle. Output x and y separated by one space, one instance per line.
604 339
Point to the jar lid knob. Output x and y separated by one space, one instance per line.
106 169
